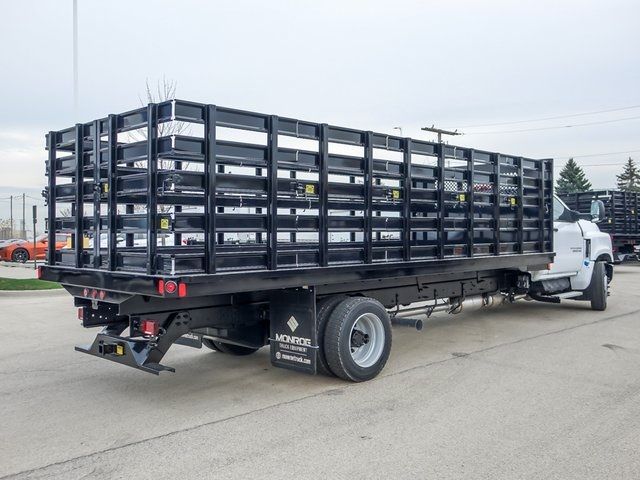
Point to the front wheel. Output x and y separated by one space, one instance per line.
598 289
357 339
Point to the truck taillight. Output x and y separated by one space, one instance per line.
81 313
39 273
170 287
149 327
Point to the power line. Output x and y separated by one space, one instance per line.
595 154
555 127
556 117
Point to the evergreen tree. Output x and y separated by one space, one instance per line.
629 179
572 179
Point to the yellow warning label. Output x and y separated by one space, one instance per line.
164 224
514 201
105 187
310 188
462 197
119 350
395 194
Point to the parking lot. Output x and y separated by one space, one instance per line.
524 391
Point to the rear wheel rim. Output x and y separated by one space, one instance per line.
367 339
20 256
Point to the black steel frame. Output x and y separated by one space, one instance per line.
443 206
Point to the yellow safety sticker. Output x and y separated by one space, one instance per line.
164 224
105 187
514 201
462 197
310 188
395 194
119 350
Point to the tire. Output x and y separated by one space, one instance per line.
210 344
20 255
598 289
231 349
357 354
324 309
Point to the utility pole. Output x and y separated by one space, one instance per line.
441 132
11 215
24 223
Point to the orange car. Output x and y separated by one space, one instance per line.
23 250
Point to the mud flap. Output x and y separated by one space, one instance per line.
293 337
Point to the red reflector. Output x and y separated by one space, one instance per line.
81 313
182 290
161 287
94 293
149 327
85 292
102 294
170 287
39 273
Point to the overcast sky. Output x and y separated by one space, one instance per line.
366 64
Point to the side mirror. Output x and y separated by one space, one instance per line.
597 211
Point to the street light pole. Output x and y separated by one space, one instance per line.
75 58
24 223
11 215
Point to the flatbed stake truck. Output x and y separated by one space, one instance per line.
251 230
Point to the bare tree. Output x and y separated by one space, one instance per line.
164 90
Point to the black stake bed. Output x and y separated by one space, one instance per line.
237 201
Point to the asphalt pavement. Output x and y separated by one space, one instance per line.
526 391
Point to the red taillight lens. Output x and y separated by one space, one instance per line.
39 273
102 294
81 313
161 287
149 327
94 293
85 292
170 287
182 290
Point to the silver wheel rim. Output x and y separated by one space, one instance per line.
367 340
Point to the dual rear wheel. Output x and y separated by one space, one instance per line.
354 339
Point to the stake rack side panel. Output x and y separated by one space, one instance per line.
180 188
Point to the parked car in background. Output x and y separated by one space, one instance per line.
24 250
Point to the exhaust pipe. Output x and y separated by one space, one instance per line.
408 322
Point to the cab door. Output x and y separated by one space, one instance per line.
568 241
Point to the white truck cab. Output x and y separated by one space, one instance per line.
582 267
